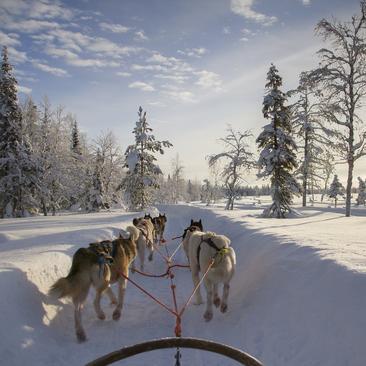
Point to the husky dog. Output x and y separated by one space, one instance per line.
159 225
201 248
99 265
145 240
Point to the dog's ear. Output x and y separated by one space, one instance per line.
200 221
191 222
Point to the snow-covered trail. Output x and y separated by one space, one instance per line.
289 304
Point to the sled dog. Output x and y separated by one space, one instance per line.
201 248
145 240
159 225
99 265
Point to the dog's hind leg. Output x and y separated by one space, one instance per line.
141 252
151 250
78 301
209 290
196 280
122 283
225 295
217 300
100 283
111 295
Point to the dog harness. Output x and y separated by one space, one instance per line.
109 249
210 242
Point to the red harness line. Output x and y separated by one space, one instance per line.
176 312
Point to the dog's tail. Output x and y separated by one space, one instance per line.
61 288
134 232
69 285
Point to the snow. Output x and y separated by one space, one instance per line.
298 296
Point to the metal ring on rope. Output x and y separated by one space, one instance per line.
177 342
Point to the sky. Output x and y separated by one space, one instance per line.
195 66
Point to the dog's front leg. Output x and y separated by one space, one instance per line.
122 283
196 280
209 291
216 295
225 296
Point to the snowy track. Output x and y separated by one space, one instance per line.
298 297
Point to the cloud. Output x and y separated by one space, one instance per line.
209 80
44 9
306 2
115 28
226 30
10 39
24 89
181 96
26 26
177 78
244 8
142 86
193 52
140 36
123 74
137 67
51 70
73 59
16 56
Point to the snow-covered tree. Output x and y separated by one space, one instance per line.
75 139
238 160
361 198
207 192
177 181
142 175
343 76
336 189
327 168
94 200
277 158
310 133
111 166
18 171
193 191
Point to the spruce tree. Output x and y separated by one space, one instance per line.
75 140
17 167
142 175
336 189
361 198
277 158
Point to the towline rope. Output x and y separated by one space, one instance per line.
176 312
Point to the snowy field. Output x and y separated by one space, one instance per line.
298 297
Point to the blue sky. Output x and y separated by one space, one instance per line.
194 65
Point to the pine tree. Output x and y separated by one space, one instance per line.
361 198
310 133
17 168
277 159
143 172
75 140
336 189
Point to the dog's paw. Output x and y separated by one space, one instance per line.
80 335
217 302
223 308
208 315
150 257
113 302
101 316
116 314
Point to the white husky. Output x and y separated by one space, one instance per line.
145 240
201 248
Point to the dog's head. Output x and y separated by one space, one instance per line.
194 226
148 217
163 219
197 223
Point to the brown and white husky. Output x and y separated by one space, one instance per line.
98 266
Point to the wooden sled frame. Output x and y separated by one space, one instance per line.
176 342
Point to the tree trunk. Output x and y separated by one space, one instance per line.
349 186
